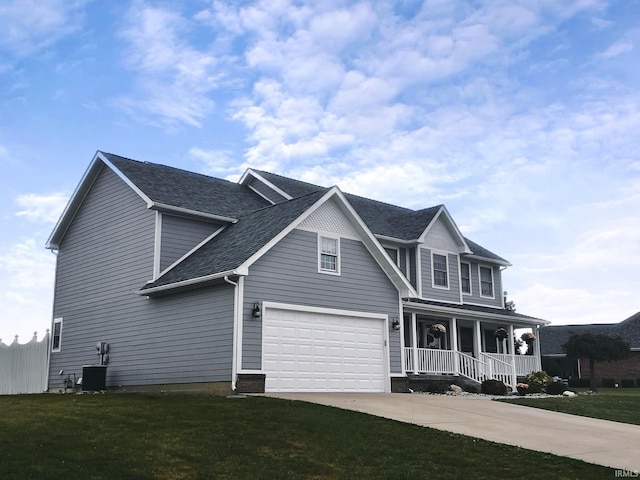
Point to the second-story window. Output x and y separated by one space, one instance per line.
486 282
440 278
329 255
465 277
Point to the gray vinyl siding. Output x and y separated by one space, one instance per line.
452 294
475 297
267 191
180 235
288 273
104 258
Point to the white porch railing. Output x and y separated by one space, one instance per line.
525 364
489 365
498 369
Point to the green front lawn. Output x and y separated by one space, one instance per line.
118 436
617 404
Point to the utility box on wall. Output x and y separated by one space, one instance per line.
94 378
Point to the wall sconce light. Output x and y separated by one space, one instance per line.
395 323
257 310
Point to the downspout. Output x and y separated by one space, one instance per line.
236 316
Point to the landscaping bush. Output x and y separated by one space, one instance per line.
555 388
577 382
609 382
627 383
493 387
538 381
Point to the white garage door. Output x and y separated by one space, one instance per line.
321 352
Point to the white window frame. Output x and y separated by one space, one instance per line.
470 292
321 253
433 270
396 258
493 283
56 321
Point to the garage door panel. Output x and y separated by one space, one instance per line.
305 351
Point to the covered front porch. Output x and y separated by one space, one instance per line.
475 348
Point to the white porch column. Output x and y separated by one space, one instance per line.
477 344
454 343
536 348
414 343
512 350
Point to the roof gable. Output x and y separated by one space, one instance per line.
235 249
443 234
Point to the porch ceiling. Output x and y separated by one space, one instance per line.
471 312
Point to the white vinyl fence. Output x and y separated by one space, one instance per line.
24 367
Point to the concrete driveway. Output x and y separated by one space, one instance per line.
613 444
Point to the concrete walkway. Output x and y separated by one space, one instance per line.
612 444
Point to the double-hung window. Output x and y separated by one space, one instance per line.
440 276
56 337
465 277
329 259
486 282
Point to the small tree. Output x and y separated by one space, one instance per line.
597 348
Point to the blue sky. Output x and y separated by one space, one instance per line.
522 117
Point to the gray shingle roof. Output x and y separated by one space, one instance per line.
506 314
194 191
483 252
238 242
554 336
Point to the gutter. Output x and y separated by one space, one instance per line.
190 282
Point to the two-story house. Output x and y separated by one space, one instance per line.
269 284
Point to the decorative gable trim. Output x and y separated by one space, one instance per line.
446 217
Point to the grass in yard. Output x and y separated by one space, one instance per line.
619 404
118 436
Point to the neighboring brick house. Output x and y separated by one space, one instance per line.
554 360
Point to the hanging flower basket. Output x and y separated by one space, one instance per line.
500 333
528 337
437 330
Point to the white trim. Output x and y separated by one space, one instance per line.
338 270
397 250
462 244
343 313
419 271
488 260
192 281
57 320
465 314
157 246
462 292
493 282
403 369
190 213
265 181
444 254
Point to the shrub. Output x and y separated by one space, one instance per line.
555 388
609 382
538 381
577 382
627 383
493 387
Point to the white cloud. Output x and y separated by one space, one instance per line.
174 80
26 276
42 208
31 25
216 162
617 49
